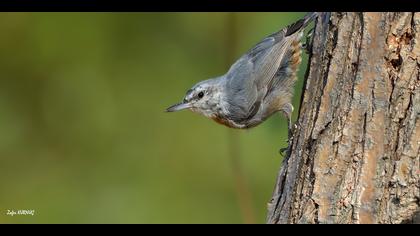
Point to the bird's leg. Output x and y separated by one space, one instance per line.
287 110
308 42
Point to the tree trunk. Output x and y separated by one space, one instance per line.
355 153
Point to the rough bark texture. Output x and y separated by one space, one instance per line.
355 153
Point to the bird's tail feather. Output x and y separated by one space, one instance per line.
302 23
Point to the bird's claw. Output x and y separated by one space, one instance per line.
307 45
289 141
282 150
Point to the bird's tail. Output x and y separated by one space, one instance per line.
309 17
302 23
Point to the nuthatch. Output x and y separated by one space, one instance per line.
256 86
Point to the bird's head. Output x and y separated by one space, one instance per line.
202 98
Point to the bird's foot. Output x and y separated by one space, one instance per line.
285 151
307 46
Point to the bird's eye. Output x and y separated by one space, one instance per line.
200 95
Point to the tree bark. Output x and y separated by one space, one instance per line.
355 153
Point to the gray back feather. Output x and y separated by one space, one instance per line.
251 77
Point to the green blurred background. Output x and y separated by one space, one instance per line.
83 133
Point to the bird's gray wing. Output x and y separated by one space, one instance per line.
274 54
249 78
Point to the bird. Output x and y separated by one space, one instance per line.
259 84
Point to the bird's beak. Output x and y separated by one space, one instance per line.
178 107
